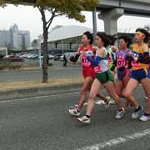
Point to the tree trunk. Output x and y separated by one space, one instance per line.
45 51
46 25
45 57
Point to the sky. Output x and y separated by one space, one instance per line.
29 18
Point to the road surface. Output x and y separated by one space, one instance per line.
57 71
43 123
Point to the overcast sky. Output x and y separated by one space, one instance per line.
28 18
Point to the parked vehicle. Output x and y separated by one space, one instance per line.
28 56
13 58
51 56
57 57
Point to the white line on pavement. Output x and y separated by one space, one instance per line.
37 97
117 141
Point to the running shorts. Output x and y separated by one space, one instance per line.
139 74
88 72
104 77
121 73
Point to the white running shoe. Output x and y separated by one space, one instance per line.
102 102
111 101
74 111
144 118
84 120
107 103
120 114
137 114
85 104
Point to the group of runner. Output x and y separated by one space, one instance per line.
118 69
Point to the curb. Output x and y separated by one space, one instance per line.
40 91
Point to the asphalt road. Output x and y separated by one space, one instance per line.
57 71
44 124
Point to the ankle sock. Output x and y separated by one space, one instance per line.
120 109
138 108
87 116
145 114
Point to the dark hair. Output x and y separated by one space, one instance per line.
105 39
112 39
89 36
127 39
144 32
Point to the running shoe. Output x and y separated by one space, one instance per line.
75 106
84 120
111 101
107 103
74 111
85 104
144 118
120 114
137 114
99 102
102 102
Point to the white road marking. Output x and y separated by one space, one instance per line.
117 141
37 97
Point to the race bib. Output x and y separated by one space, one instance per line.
136 65
121 62
85 62
97 69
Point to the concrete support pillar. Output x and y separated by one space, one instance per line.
110 18
94 23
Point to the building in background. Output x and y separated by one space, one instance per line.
66 38
14 39
5 40
23 39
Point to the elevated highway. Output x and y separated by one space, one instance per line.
112 10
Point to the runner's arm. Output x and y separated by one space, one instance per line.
98 58
95 62
144 58
75 58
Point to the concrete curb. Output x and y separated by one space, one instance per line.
40 91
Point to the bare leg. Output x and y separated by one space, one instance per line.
94 90
112 92
99 95
86 87
131 86
119 88
146 87
127 103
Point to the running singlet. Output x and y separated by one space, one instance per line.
111 57
136 52
122 64
90 52
103 65
87 67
